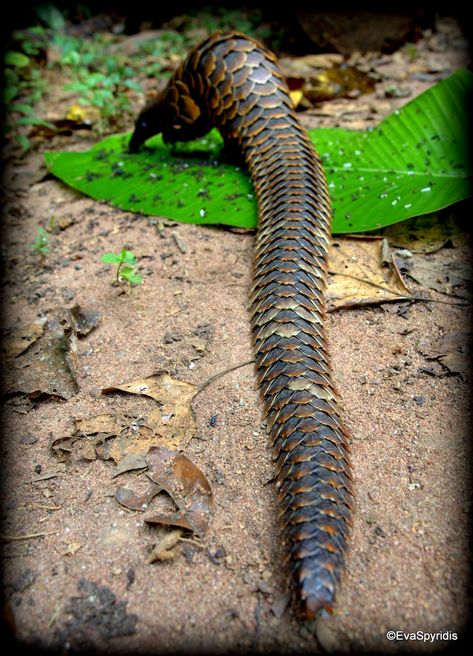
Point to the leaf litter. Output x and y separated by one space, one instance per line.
363 272
18 339
428 233
452 350
45 369
186 485
126 438
40 356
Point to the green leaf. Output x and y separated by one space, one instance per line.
51 16
192 187
16 59
35 120
127 257
414 162
23 141
128 274
111 258
22 108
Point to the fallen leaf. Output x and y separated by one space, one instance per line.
453 350
104 423
175 419
172 519
72 548
62 446
89 437
83 320
339 81
363 272
305 66
44 370
80 114
127 439
427 234
296 97
444 277
130 462
129 499
16 340
185 484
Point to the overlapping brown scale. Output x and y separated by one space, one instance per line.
237 85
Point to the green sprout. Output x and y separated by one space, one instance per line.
125 262
41 242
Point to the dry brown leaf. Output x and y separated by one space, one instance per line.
175 419
426 234
453 350
131 447
16 340
126 440
90 437
45 370
443 277
308 65
83 320
98 424
173 519
133 501
130 462
185 484
363 272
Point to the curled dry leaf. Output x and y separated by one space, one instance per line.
174 420
186 485
133 501
89 438
83 321
340 81
363 272
126 439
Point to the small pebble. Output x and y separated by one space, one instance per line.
213 420
28 439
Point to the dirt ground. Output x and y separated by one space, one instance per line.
76 570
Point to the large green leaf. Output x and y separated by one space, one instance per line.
187 183
414 162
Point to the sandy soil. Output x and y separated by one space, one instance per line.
85 582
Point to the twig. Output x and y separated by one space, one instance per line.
27 536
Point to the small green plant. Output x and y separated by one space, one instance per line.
125 262
41 242
24 86
411 51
